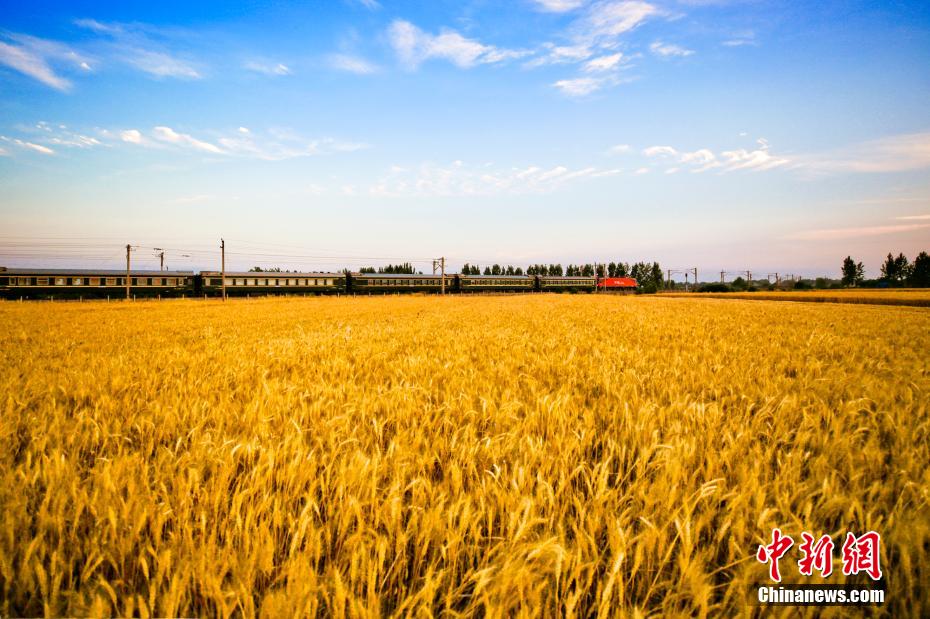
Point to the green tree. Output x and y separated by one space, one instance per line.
487 270
920 271
853 272
657 276
895 270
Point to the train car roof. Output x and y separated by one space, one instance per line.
270 274
497 276
100 272
399 275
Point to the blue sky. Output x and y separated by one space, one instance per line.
726 135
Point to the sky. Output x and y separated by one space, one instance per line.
723 135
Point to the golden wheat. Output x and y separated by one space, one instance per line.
524 455
915 297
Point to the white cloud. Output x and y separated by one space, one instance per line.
352 64
855 233
273 69
898 153
28 145
558 6
758 160
667 50
913 217
579 86
619 149
659 151
131 44
33 57
414 46
560 54
161 64
605 21
370 4
739 39
169 135
461 179
641 171
704 159
132 136
603 63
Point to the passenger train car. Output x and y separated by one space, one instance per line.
75 283
81 283
260 283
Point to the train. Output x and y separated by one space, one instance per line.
16 283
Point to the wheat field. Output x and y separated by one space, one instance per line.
576 455
915 297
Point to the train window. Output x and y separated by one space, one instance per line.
59 281
172 281
78 281
93 281
329 282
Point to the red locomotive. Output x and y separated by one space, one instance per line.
616 283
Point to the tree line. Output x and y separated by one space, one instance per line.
896 271
649 276
392 269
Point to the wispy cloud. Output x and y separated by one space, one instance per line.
135 46
898 153
605 21
579 86
274 69
740 39
619 149
461 179
854 233
595 36
557 6
414 46
170 136
552 54
603 63
704 159
667 50
38 148
161 64
351 64
34 57
913 217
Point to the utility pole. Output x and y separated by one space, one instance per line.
161 255
128 248
668 278
722 273
749 278
441 264
223 266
